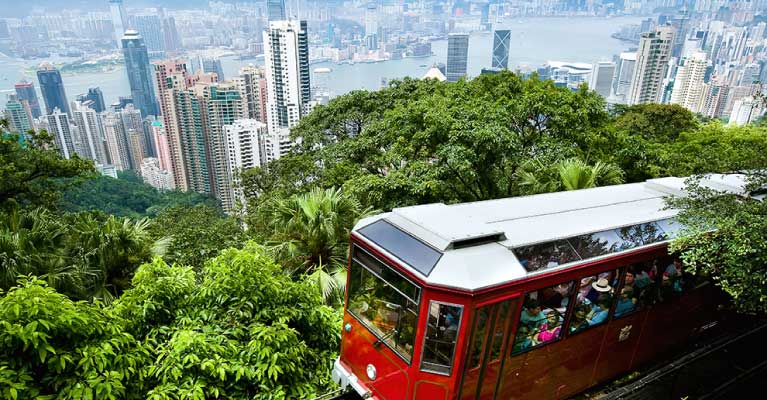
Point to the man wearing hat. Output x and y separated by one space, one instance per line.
602 285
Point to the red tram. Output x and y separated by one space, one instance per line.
536 297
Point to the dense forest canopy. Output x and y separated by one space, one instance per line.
110 289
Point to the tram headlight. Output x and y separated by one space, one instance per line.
371 370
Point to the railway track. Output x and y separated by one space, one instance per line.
716 370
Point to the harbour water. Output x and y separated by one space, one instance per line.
534 41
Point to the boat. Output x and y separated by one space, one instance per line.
423 65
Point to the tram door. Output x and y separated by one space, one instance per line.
490 335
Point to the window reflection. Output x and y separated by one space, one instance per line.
542 316
381 306
546 255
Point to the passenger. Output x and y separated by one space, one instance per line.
580 319
551 328
628 281
597 288
523 340
627 302
532 316
675 268
601 310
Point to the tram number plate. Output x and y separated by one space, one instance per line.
624 333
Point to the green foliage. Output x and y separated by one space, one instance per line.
570 174
308 234
196 233
53 347
658 123
726 239
426 141
128 196
79 255
30 171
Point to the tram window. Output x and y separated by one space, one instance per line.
498 330
594 299
386 309
639 290
479 337
542 316
441 335
674 280
546 255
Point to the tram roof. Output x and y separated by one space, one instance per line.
471 246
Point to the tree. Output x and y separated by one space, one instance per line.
725 238
309 235
195 234
570 174
658 123
31 168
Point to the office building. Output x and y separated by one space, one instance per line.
209 65
93 99
139 73
18 114
457 56
119 19
651 65
155 176
624 73
26 92
244 141
287 73
689 86
52 88
276 10
150 29
501 43
61 129
91 133
601 79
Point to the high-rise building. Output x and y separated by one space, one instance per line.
116 141
139 73
244 141
170 35
714 100
501 43
150 29
624 72
223 106
119 19
371 19
190 113
457 56
137 149
601 80
26 92
251 83
287 73
52 88
651 64
19 115
688 85
93 99
171 76
155 176
210 65
746 110
161 144
276 10
61 129
91 133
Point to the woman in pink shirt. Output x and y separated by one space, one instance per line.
550 329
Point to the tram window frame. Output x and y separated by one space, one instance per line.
641 294
381 271
617 278
563 315
434 368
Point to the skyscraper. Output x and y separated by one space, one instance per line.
251 83
172 76
651 65
689 86
501 43
94 99
116 142
52 88
26 92
61 130
276 10
287 73
457 56
119 19
210 65
91 132
371 26
244 141
139 73
162 148
222 107
18 114
602 77
150 28
170 35
624 72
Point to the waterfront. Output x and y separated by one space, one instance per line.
534 41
